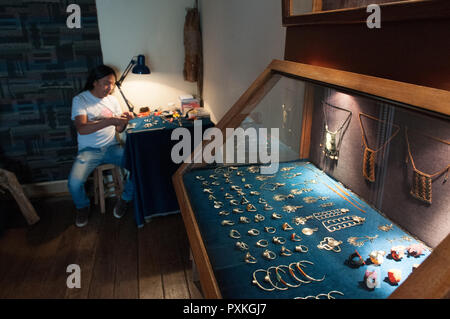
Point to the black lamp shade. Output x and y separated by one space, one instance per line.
140 67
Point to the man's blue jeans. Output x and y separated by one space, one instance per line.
85 162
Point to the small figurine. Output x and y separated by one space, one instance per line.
395 275
372 278
416 250
376 257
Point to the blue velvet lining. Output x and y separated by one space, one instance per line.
234 276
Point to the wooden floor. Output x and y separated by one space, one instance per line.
117 260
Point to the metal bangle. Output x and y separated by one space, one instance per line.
281 279
336 292
292 272
270 281
305 274
255 281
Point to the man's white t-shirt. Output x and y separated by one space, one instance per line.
96 108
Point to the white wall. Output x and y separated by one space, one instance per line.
240 39
153 28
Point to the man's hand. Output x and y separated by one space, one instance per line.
128 115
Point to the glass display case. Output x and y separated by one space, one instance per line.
319 183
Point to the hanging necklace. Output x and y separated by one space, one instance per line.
421 183
333 140
370 154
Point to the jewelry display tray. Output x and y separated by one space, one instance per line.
292 98
234 276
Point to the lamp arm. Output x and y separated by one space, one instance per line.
130 108
127 70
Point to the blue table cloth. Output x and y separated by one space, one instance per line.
148 159
234 276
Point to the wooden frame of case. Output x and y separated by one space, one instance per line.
422 99
396 11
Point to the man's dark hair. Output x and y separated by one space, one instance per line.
96 74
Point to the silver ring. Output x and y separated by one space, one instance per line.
259 218
227 222
301 249
249 259
276 216
241 245
253 232
285 252
270 229
238 210
234 202
268 254
244 219
235 234
262 243
279 240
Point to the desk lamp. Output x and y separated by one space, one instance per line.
139 68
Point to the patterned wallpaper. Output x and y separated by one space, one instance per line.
43 64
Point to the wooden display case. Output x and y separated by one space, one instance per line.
420 101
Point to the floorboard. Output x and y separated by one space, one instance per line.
117 260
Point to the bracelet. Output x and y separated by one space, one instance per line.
270 281
304 274
255 281
281 279
294 276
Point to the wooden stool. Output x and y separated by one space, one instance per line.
9 181
102 190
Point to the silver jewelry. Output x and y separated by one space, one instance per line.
301 249
309 231
261 201
286 227
248 186
295 237
279 240
281 197
327 204
241 245
276 216
244 201
205 183
270 229
249 259
262 243
285 252
200 178
310 200
342 222
244 219
228 196
279 277
238 210
208 190
251 208
235 234
227 222
268 254
291 208
224 213
234 202
329 243
331 213
255 282
255 193
253 232
267 207
268 277
259 218
218 204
